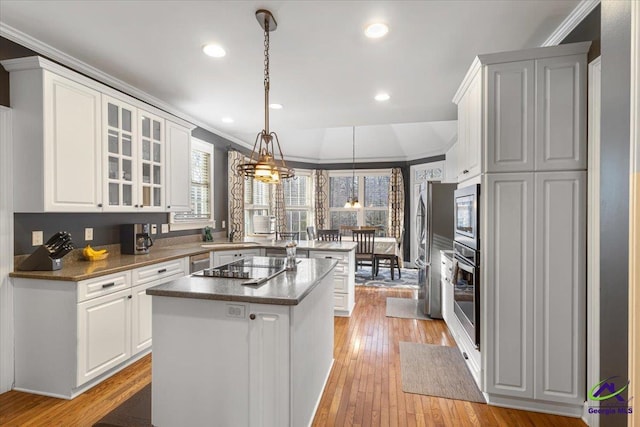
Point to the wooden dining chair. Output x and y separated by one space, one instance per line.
392 260
330 235
311 233
366 241
288 235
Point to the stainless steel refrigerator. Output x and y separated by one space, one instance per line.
434 225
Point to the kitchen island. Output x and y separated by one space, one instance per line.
232 355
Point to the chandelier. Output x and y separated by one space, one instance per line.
353 200
262 164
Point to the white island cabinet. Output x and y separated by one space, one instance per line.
232 355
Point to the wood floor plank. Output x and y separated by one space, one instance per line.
363 389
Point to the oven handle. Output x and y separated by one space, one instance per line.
464 264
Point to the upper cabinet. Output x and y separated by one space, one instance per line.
81 146
57 151
523 111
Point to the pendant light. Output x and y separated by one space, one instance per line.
353 203
262 164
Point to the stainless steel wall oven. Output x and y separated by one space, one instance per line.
466 290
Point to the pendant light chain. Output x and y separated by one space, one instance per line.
267 80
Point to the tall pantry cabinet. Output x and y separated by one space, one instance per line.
533 156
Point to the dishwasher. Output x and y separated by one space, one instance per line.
199 262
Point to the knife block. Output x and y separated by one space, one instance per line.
41 261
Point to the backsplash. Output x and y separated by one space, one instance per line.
106 227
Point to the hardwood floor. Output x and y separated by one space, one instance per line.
364 388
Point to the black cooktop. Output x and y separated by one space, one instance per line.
253 270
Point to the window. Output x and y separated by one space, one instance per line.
372 190
201 213
256 201
297 202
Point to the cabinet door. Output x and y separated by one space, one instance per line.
560 285
463 138
72 155
224 257
120 155
141 318
104 334
474 129
510 117
178 171
451 165
268 365
561 98
151 162
507 284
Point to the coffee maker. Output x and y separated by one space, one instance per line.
135 239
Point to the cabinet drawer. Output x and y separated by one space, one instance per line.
341 257
340 283
103 285
161 270
340 302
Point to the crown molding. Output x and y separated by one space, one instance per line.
74 64
576 16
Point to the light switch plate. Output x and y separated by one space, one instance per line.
165 228
36 238
154 229
88 234
224 223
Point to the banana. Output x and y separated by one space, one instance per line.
89 252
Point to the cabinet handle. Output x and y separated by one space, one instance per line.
464 354
129 297
135 206
163 270
465 171
169 207
252 316
99 205
108 285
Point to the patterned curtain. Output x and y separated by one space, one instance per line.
321 198
236 196
396 204
277 206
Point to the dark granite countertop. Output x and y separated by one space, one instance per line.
287 288
75 268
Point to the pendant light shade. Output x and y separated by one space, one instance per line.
262 164
352 202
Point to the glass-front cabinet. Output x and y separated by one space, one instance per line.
120 122
151 155
134 158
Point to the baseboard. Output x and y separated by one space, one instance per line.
565 409
90 384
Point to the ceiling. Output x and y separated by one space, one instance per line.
323 69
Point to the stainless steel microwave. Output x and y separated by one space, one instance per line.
467 216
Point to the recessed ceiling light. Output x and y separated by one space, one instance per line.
214 50
275 106
227 120
377 30
382 97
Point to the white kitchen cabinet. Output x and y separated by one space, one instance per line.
510 116
56 129
446 271
72 335
178 166
534 284
561 111
560 286
82 146
508 284
343 279
120 155
151 162
523 111
225 257
104 334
